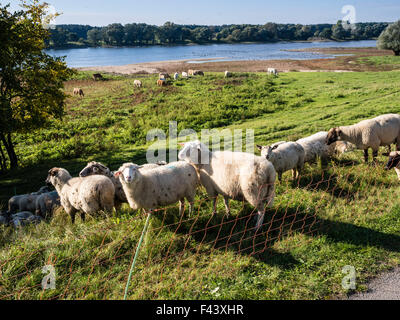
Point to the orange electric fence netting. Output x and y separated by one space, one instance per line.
180 254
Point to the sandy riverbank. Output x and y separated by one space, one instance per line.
338 64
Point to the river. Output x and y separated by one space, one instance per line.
89 57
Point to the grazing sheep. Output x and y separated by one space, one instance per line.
228 74
234 175
94 167
164 76
272 71
165 185
78 91
137 83
184 75
25 202
97 76
46 203
161 83
394 162
86 195
315 147
285 156
176 76
372 133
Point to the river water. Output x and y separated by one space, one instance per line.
88 57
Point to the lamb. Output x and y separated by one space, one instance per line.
161 83
94 167
137 83
25 202
85 195
228 74
285 156
46 203
150 189
272 71
97 76
372 133
234 175
184 75
394 162
78 91
176 76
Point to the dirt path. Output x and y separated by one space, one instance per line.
385 287
338 64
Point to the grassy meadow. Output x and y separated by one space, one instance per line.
345 214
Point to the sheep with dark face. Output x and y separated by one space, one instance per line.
372 133
87 195
394 162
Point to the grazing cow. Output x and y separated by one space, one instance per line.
97 76
137 83
164 76
161 82
78 91
195 73
272 71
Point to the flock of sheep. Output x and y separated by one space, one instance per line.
233 175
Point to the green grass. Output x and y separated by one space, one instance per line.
345 215
383 61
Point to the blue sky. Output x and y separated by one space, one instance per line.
217 12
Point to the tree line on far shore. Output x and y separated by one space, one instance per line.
134 34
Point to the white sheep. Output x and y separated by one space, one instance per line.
25 202
176 76
86 195
315 147
372 133
137 83
234 175
285 156
46 203
165 185
184 74
228 74
272 71
94 167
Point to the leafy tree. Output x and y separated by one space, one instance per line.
95 36
114 34
390 38
31 81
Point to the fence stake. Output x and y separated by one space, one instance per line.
136 255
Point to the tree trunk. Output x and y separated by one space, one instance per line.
10 149
3 160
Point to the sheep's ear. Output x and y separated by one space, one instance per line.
259 147
117 174
182 144
275 147
339 132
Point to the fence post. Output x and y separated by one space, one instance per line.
136 255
